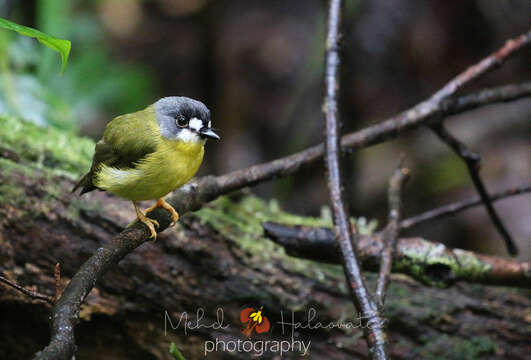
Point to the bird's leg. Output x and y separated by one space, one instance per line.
163 204
150 223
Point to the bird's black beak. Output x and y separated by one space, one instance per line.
208 133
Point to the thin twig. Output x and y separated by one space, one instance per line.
489 63
428 262
458 206
58 285
65 313
391 231
32 294
472 161
363 300
484 97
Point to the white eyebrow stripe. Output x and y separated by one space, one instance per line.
195 124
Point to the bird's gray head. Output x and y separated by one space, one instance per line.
182 118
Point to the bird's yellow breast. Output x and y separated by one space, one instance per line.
168 168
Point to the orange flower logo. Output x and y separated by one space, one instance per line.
254 320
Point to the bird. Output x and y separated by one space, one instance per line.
147 154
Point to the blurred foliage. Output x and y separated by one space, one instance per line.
30 87
447 172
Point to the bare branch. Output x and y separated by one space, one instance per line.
458 206
484 97
32 294
430 263
363 300
489 63
472 161
391 231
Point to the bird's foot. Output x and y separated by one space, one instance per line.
150 223
163 204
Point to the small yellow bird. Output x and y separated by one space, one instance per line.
150 153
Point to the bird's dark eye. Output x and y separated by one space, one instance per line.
181 121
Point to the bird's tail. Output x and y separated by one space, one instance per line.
85 183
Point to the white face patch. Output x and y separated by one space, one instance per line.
188 136
210 124
195 124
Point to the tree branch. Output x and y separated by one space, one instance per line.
32 294
472 161
430 263
458 206
58 285
65 313
484 97
489 63
362 298
391 231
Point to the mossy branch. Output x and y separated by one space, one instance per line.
431 263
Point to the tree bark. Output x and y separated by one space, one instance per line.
215 258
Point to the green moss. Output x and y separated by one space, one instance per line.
63 152
460 263
240 222
7 166
77 205
16 179
11 192
48 152
468 265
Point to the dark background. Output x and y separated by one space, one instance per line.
258 65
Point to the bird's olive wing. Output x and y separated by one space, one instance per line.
127 140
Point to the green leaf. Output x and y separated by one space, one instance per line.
175 352
59 45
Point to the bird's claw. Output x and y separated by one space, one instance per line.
163 204
150 223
